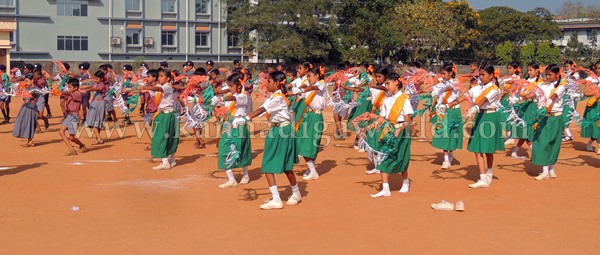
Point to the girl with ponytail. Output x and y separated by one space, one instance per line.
280 154
524 133
547 136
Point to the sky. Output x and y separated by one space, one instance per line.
527 5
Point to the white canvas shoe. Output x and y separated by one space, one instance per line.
382 193
245 180
311 176
542 177
294 199
446 165
480 184
162 167
271 204
443 206
460 206
553 174
228 184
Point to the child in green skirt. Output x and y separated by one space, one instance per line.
548 135
378 93
525 131
165 128
280 145
448 128
396 112
590 127
309 126
234 144
486 133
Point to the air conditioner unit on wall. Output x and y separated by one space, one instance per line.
115 41
148 41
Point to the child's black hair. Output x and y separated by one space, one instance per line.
281 79
99 74
490 69
515 65
383 70
394 77
153 73
316 71
3 68
555 69
73 82
449 67
536 67
200 71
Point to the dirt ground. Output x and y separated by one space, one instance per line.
125 207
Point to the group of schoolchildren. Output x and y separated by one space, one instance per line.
381 114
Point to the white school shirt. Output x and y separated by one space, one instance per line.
167 100
277 108
298 82
318 102
243 105
560 91
492 96
439 90
388 103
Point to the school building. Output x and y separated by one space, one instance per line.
119 30
585 28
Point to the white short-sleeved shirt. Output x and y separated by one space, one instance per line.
168 98
388 103
318 102
299 81
277 108
440 91
492 96
243 105
560 91
592 79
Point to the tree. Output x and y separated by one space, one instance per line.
574 47
363 29
290 30
571 10
543 53
505 53
500 24
469 22
427 28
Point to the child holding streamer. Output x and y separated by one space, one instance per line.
234 145
280 145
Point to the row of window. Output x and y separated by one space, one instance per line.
7 2
80 8
133 38
201 6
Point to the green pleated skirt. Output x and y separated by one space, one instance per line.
235 149
165 138
309 135
589 125
398 158
547 141
486 134
525 131
448 133
280 150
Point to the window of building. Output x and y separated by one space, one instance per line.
132 5
133 37
71 8
168 38
202 39
168 5
72 43
202 6
233 40
12 37
7 2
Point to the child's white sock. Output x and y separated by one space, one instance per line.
483 177
516 150
489 171
275 193
446 158
385 187
568 132
245 170
545 169
165 161
172 158
230 176
405 186
590 143
311 167
296 190
450 156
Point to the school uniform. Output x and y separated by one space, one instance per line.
96 112
377 98
280 152
397 148
449 127
365 105
166 125
486 133
528 113
109 97
41 101
310 123
26 122
297 101
71 120
504 102
234 146
590 125
151 107
548 134
86 95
